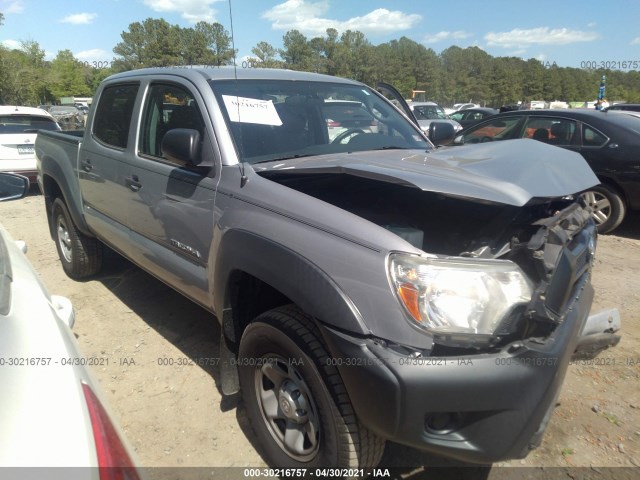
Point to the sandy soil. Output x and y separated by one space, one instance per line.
166 396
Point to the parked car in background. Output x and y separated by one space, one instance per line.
460 106
69 117
610 143
18 129
634 107
534 105
346 119
50 408
471 116
427 112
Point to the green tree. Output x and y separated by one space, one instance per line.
265 56
296 52
506 81
218 43
67 76
152 43
533 81
23 75
354 57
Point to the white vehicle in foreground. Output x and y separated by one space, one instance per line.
50 411
18 129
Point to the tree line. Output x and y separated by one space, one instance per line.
455 75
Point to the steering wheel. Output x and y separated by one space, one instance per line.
347 133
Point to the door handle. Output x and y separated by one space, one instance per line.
133 183
86 165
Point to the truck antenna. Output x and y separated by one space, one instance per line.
243 175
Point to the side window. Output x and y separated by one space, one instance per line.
556 131
113 115
591 137
495 129
167 107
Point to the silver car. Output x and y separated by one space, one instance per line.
426 112
50 410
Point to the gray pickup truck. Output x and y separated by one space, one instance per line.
369 286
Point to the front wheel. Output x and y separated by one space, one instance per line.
295 398
81 256
607 207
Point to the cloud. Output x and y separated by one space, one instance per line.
441 36
94 54
519 38
12 44
15 6
541 57
80 18
635 41
193 11
307 17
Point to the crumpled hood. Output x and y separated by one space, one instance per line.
511 172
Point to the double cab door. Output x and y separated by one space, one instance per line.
158 214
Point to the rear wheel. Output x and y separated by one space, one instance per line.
607 207
295 398
81 256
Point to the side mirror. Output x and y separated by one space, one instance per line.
459 140
441 133
12 186
182 146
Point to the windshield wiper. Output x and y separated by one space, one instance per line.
391 147
288 157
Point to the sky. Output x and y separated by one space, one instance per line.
568 33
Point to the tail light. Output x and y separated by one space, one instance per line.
332 123
113 460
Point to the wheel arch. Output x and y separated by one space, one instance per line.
254 274
613 185
56 184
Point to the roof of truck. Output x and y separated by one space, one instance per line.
232 73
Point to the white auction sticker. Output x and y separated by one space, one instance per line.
251 110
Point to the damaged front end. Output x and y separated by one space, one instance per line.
496 268
517 286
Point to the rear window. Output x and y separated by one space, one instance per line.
26 124
113 115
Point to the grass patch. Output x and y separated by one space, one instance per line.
566 451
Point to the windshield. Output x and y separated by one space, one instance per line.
24 123
278 119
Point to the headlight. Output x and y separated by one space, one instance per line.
458 295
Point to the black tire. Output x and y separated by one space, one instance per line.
81 256
282 360
607 207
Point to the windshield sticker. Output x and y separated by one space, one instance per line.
251 110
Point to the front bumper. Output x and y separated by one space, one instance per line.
481 408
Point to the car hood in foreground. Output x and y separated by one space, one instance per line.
510 172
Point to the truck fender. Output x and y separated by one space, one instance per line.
293 275
70 193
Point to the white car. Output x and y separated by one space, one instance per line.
50 410
18 129
460 106
426 112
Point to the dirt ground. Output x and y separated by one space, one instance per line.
166 396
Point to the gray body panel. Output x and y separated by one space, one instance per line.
512 172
